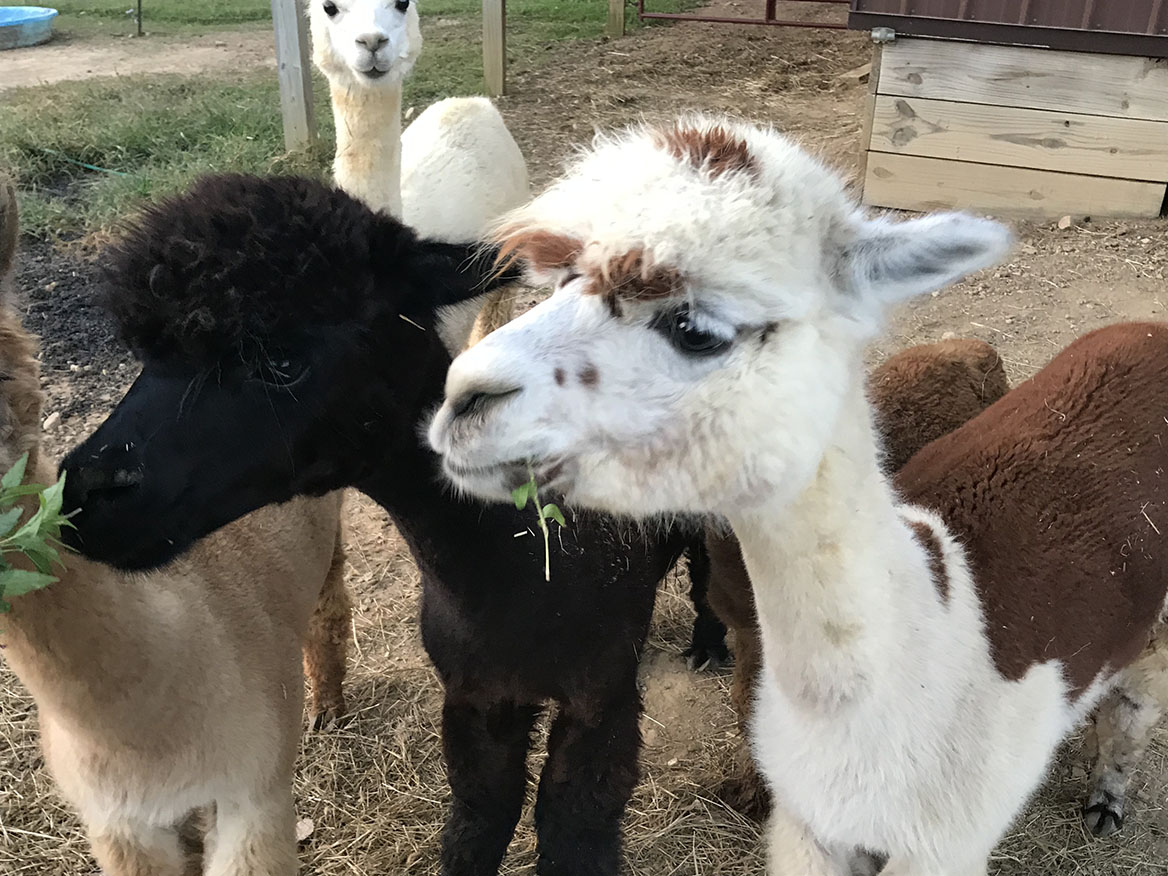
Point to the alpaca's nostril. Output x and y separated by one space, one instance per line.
87 482
477 400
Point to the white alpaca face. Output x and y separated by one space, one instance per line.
373 42
715 293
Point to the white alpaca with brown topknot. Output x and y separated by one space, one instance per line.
928 642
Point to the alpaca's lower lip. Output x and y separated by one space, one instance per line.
478 471
507 475
374 73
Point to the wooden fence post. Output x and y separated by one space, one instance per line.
616 18
495 46
292 65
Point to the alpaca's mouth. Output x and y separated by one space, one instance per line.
374 73
497 480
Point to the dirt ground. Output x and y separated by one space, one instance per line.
68 58
374 789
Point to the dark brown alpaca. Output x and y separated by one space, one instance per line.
919 395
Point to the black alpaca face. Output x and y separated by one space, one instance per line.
286 336
191 448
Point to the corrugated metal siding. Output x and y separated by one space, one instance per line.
1137 27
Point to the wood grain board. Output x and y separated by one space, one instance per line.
910 182
1105 85
1039 139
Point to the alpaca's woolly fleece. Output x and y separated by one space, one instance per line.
239 259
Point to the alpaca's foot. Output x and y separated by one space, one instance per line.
326 715
1103 813
709 655
747 795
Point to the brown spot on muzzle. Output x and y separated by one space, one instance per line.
589 376
715 150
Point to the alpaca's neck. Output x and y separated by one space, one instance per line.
826 569
452 537
68 643
368 159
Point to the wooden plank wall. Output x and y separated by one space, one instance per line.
1016 130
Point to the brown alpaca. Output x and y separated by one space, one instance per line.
919 395
163 694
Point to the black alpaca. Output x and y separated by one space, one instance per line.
289 346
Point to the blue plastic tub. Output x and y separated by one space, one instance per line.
25 25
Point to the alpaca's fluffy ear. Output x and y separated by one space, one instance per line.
894 261
9 226
449 273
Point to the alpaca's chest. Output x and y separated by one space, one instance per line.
944 762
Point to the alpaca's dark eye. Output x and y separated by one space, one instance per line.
401 5
330 8
281 372
681 330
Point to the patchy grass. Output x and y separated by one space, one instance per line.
117 17
86 153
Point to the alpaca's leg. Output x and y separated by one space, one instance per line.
589 776
746 790
137 849
326 645
195 835
486 762
255 836
793 851
707 648
1123 727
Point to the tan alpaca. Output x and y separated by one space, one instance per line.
163 694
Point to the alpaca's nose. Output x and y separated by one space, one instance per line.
372 41
104 475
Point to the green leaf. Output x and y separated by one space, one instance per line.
522 493
14 475
52 498
8 520
8 494
554 513
17 582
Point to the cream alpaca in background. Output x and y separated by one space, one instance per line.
453 172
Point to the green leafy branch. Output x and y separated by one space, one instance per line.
38 538
530 492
